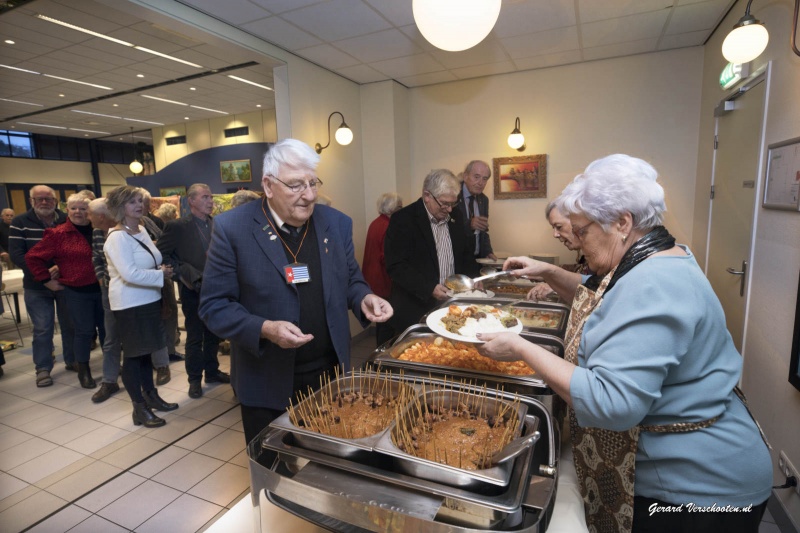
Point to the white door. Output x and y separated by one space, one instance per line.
734 203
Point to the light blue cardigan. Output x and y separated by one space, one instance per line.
657 351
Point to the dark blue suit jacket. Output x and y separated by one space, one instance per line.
244 284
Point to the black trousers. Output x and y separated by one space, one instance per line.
652 516
201 344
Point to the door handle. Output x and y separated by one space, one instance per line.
742 273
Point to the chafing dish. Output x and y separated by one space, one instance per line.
519 308
443 473
372 494
342 447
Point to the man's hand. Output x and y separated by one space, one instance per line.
284 334
376 309
54 272
540 292
440 292
479 223
54 285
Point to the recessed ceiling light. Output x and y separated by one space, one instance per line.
237 78
140 75
115 105
165 56
162 99
258 105
145 121
91 131
61 96
42 125
19 102
76 81
192 88
9 41
20 69
90 113
185 118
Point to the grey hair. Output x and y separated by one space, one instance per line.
242 197
78 198
194 188
52 191
441 181
290 153
474 162
615 185
388 203
167 211
145 195
86 193
550 206
98 206
3 212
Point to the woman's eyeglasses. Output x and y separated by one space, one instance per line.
580 231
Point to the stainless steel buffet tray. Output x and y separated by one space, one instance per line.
356 495
559 310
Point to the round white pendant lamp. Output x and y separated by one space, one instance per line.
746 42
455 25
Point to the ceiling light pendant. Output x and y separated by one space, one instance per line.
455 25
135 165
516 139
748 39
344 135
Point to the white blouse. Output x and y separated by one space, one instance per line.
135 279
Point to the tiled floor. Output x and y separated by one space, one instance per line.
67 464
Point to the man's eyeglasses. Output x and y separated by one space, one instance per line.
443 205
314 184
43 200
579 232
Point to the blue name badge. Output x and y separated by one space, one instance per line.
297 273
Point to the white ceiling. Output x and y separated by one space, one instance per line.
363 40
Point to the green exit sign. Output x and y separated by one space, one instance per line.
732 74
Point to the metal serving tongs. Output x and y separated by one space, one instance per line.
461 283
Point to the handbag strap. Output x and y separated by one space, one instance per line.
143 245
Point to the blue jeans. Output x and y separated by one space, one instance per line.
201 344
42 306
86 311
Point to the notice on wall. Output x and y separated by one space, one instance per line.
782 190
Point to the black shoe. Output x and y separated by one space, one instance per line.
195 389
142 415
156 402
163 375
72 367
219 377
85 376
1 372
177 356
104 392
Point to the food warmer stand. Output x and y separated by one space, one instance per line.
369 491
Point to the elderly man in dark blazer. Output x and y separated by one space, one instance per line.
279 279
425 243
474 207
184 244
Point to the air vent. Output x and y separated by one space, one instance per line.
181 139
237 132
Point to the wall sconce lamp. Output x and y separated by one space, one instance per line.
135 165
455 25
516 139
344 135
748 39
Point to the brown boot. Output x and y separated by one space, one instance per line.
162 375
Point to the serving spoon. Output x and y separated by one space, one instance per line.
460 282
514 448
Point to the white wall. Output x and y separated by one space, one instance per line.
646 105
19 170
775 269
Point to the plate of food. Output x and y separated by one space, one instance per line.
463 322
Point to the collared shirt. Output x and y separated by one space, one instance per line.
279 223
444 246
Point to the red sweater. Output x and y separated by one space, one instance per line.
374 264
65 246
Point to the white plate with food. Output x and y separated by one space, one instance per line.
470 294
462 322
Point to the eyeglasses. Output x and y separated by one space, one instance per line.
43 199
579 232
443 205
314 184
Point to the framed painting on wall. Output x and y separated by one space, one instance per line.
520 177
178 190
236 171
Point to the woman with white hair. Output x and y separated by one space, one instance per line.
374 264
69 246
650 371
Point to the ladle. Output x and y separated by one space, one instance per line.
460 282
514 448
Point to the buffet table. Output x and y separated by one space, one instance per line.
12 279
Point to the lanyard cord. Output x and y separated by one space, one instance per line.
278 233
